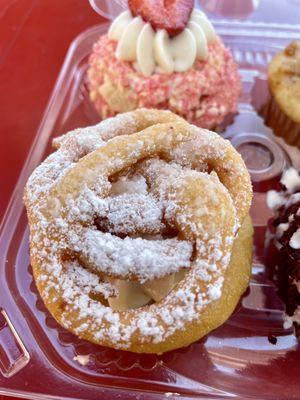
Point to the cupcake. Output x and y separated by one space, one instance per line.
285 245
166 57
282 112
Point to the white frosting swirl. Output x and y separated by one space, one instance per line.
154 51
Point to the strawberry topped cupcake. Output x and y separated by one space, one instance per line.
166 55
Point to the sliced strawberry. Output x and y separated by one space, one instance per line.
171 15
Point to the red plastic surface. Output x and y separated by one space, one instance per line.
236 359
34 38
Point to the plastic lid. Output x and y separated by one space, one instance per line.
270 11
225 8
108 8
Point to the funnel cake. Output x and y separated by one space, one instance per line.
141 238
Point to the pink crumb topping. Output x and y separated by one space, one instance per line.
203 95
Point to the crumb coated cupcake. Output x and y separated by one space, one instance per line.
285 229
187 70
282 113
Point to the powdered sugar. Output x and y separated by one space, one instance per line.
295 240
291 180
131 213
135 185
132 205
274 199
82 359
144 259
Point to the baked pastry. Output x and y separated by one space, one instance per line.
284 265
282 112
164 56
141 238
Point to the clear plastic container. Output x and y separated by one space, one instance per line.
278 11
41 360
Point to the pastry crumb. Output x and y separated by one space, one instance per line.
83 360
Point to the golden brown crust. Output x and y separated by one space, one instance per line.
236 282
198 295
284 80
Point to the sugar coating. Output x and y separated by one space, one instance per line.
78 286
290 320
275 200
82 359
286 207
291 180
203 95
129 213
295 240
142 258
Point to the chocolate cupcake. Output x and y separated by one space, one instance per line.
285 240
282 112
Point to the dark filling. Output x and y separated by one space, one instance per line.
272 339
286 270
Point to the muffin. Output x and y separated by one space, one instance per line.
282 112
285 243
168 57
